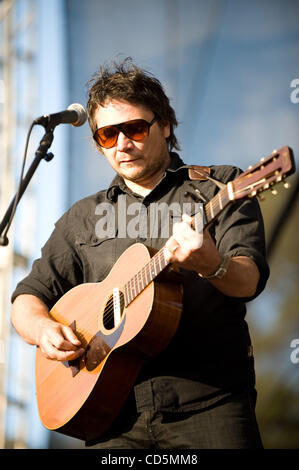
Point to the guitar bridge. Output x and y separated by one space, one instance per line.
74 365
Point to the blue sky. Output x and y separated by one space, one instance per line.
226 65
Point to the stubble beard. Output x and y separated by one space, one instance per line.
151 171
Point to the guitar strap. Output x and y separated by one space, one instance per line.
202 173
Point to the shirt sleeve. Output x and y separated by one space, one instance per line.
239 231
58 269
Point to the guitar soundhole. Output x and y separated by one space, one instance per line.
113 310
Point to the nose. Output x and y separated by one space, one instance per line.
123 142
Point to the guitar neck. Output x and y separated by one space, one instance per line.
213 208
144 276
159 262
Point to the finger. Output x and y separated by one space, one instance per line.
182 230
187 238
195 234
187 219
70 335
69 355
58 340
171 246
51 352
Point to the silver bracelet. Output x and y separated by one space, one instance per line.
220 271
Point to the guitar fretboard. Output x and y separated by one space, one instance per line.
144 276
213 208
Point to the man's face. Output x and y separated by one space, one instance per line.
138 162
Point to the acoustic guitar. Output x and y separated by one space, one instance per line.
124 320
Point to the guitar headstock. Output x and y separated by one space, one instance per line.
265 174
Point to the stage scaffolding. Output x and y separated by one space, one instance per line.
18 32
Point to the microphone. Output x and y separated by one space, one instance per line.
75 114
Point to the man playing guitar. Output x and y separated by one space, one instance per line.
199 391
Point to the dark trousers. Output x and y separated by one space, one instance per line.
228 424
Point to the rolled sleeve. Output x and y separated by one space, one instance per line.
239 231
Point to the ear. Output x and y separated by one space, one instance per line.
166 130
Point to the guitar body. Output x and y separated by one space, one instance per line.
83 404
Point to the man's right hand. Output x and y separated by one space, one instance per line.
57 341
30 317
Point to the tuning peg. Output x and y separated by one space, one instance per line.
274 192
274 151
286 185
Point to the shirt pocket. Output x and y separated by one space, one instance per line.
97 255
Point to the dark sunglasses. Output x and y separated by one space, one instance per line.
137 129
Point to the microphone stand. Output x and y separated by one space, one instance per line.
40 154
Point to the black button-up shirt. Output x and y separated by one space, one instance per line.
211 352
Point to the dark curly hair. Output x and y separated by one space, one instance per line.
126 81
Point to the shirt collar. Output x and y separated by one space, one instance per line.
118 185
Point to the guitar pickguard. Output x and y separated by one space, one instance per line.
96 350
100 345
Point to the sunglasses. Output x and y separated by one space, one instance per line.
137 129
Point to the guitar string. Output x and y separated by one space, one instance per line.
134 291
144 271
214 202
